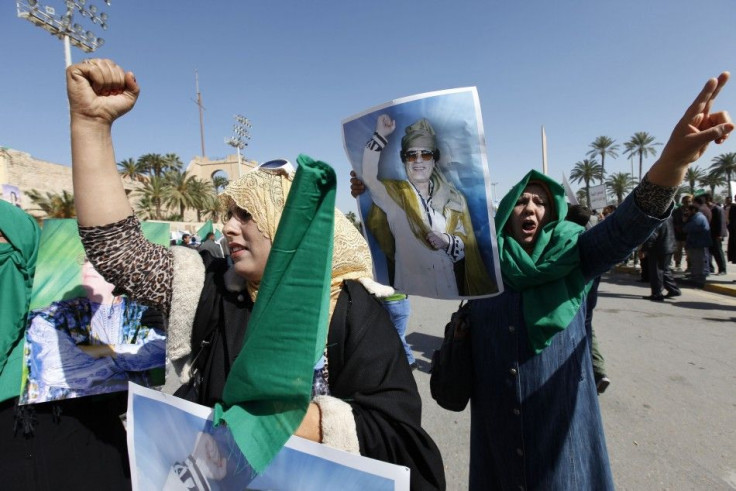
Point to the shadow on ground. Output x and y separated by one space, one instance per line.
423 345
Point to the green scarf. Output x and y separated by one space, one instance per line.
269 388
550 280
17 266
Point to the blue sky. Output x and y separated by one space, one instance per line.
296 69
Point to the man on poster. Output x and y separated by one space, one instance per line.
422 224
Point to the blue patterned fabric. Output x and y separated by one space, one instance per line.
59 369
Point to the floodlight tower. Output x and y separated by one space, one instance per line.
63 26
240 137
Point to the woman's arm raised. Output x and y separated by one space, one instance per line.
99 92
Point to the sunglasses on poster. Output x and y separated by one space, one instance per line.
414 156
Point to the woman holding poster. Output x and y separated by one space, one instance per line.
422 224
362 395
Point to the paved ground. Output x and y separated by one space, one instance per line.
670 412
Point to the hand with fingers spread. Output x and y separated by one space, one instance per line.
692 134
100 91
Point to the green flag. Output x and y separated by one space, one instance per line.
269 387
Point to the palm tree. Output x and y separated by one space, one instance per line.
619 184
132 169
220 182
203 192
53 204
711 181
354 220
641 144
153 193
693 175
154 164
725 165
173 162
181 191
585 171
211 207
603 146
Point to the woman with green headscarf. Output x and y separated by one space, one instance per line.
19 236
535 419
75 444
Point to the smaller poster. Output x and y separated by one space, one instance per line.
427 210
12 194
172 444
82 338
598 197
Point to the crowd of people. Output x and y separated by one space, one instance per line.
535 418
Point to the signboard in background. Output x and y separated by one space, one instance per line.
598 197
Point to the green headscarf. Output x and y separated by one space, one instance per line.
550 280
17 266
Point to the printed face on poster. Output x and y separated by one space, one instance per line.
427 213
172 442
82 339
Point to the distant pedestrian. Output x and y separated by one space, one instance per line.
680 235
658 249
211 246
717 232
698 244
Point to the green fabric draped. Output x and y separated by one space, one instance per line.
17 267
550 280
269 387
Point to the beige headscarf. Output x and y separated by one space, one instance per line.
263 193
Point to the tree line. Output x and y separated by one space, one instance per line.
166 191
642 145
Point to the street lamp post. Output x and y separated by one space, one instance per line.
63 26
240 137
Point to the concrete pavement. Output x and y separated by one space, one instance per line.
669 412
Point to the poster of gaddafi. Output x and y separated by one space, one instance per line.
172 444
82 338
426 212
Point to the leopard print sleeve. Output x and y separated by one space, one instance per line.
124 257
652 199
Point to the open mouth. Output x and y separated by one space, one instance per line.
528 225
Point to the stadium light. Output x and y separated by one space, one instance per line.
63 26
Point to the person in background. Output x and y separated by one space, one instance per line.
581 215
658 250
698 243
731 225
717 232
186 240
399 309
680 235
209 245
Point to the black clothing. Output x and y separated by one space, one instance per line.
367 368
76 444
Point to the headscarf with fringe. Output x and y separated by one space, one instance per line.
262 193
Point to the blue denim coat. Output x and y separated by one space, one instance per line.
535 419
